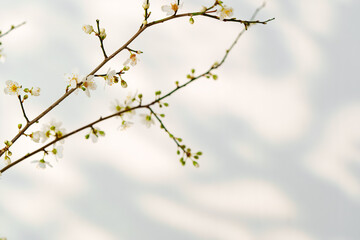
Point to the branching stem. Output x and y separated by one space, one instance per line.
107 59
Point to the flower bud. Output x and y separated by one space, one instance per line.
191 20
123 84
146 5
88 29
102 33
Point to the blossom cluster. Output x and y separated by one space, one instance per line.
174 6
121 109
51 130
13 88
90 29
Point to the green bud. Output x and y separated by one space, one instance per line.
26 96
182 161
188 76
215 77
162 115
193 70
87 136
199 153
178 152
126 68
102 133
140 96
166 104
19 126
196 164
196 157
179 139
26 90
191 20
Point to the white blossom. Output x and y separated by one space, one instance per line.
125 125
35 91
95 133
41 164
111 77
225 12
73 79
147 120
171 9
89 84
133 60
12 88
88 29
57 151
35 136
116 106
52 129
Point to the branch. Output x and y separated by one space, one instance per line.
107 59
22 108
11 28
165 129
100 38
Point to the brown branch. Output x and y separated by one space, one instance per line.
22 108
36 119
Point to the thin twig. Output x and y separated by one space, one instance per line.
100 38
22 108
165 129
12 28
107 59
